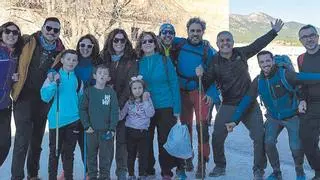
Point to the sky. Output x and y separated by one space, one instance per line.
306 12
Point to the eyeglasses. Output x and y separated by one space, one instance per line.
150 41
14 32
195 30
55 30
89 46
313 35
121 40
167 32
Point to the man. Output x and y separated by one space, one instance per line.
276 87
30 113
229 69
310 122
188 54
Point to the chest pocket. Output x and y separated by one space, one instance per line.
278 89
230 71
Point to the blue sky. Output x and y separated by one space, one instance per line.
304 11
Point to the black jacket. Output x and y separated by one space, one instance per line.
121 73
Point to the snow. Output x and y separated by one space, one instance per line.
238 149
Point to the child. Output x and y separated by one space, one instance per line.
99 114
138 110
62 88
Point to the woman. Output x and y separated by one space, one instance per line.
119 57
161 80
88 50
10 49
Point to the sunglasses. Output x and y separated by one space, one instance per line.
150 41
55 30
121 40
89 46
167 32
14 32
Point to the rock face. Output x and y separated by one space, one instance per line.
214 12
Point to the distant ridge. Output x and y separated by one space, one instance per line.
247 28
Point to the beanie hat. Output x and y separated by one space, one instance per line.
166 26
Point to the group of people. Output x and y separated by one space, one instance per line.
123 94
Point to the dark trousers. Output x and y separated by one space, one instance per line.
30 116
273 128
164 121
309 134
121 149
5 133
137 143
67 141
80 140
254 123
105 148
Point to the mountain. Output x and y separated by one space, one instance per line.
246 28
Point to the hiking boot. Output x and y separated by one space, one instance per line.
122 176
131 178
276 175
217 171
301 175
33 178
142 178
151 177
258 174
199 174
181 175
189 165
166 177
316 178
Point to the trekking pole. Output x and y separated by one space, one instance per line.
57 118
84 154
201 131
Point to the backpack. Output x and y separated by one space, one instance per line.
300 60
284 61
179 47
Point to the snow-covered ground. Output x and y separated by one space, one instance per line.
238 152
238 146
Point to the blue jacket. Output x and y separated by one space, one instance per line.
161 81
190 57
277 92
8 66
68 99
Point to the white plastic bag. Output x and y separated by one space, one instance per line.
178 142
